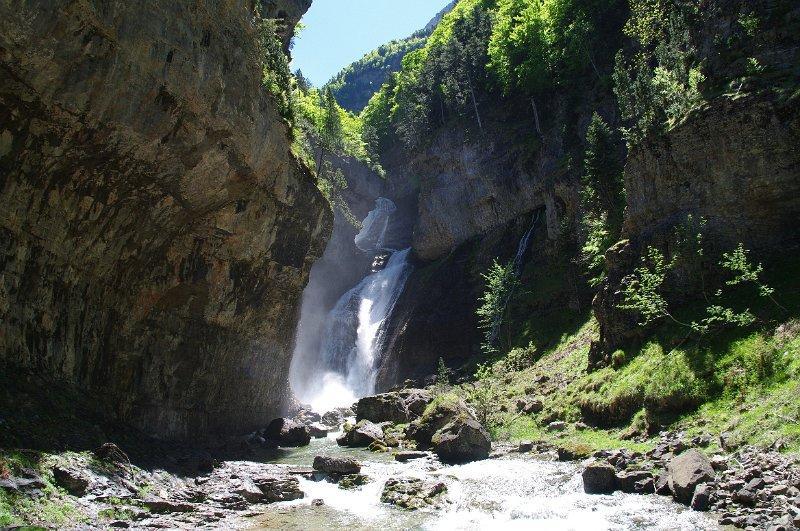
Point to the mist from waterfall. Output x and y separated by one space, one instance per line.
342 367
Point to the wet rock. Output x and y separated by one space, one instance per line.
525 447
336 465
352 481
288 433
22 484
318 431
361 435
73 481
634 482
412 493
333 418
529 406
686 472
279 489
162 506
409 455
599 478
662 485
386 407
701 501
461 441
249 491
416 400
317 502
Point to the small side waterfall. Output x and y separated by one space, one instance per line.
353 331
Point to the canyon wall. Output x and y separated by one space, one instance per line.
156 230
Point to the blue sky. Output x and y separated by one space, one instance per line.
340 31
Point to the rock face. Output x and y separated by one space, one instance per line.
733 163
686 472
155 231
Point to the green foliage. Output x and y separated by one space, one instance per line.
277 77
483 396
642 289
443 374
602 196
660 83
501 282
355 84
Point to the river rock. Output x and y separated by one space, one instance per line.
336 465
461 441
635 482
279 488
73 481
386 407
318 431
361 435
701 501
416 400
599 478
352 481
686 472
409 455
287 432
412 493
435 418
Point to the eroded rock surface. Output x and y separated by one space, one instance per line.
155 231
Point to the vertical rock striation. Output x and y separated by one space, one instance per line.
155 230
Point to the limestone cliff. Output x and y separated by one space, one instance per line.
156 230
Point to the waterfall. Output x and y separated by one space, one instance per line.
523 246
373 229
353 332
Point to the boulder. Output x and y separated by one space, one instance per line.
318 431
409 455
599 478
416 400
662 485
351 481
557 425
461 441
412 493
686 472
701 501
333 418
288 433
279 488
525 447
386 407
361 435
336 465
529 406
73 481
635 482
436 417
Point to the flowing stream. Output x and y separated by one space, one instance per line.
354 330
511 492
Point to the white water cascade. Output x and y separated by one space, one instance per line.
353 331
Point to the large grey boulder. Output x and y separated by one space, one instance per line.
336 465
386 407
461 441
361 435
436 417
599 478
416 400
686 472
287 432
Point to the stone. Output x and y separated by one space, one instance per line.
333 418
719 463
525 447
599 478
352 481
745 497
111 453
22 484
529 406
409 455
317 502
278 488
416 400
441 413
336 465
701 500
361 435
382 408
686 472
662 485
287 433
557 425
160 505
249 491
412 493
628 481
71 480
318 431
461 441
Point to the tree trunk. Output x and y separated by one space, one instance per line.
474 103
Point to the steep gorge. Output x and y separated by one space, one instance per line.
157 232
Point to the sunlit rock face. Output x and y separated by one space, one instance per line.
155 231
